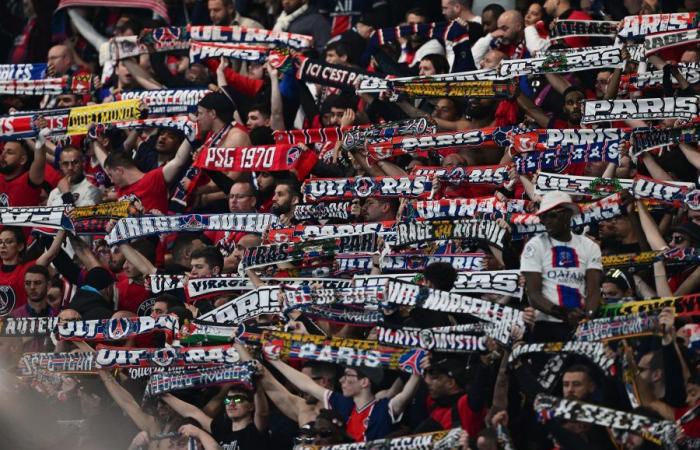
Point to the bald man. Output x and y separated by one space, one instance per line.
508 36
60 60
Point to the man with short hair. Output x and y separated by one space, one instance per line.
286 196
459 9
36 286
223 12
577 383
73 189
206 262
258 116
509 37
563 271
19 186
59 60
380 209
158 149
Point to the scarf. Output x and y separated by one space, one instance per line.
586 28
116 329
284 20
229 34
41 216
356 138
323 210
27 326
120 357
613 328
197 288
298 233
376 86
249 159
413 232
201 51
241 374
643 109
481 208
167 101
573 60
637 27
320 72
461 175
312 135
412 262
22 72
80 83
685 306
431 340
316 189
450 32
263 300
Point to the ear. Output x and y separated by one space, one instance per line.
216 270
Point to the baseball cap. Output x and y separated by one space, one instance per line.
220 103
553 199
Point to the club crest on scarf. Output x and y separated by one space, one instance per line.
118 328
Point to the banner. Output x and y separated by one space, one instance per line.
166 101
320 72
402 293
499 282
658 42
171 381
249 159
27 326
548 407
343 351
41 216
22 72
684 306
609 328
386 230
428 339
642 108
265 255
116 329
477 208
436 440
414 232
323 210
263 300
587 28
637 27
80 118
201 51
315 189
136 227
573 60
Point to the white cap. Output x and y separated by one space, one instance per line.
552 199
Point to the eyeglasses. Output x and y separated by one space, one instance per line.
240 196
7 242
235 399
350 375
74 162
677 239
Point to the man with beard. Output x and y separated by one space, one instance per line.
286 196
74 188
563 271
509 37
36 285
19 186
158 149
223 12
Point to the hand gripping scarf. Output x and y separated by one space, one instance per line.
229 34
571 61
401 293
431 340
22 72
121 357
316 189
643 109
41 216
263 300
684 306
376 86
587 28
435 440
27 326
265 255
347 352
299 233
201 51
413 232
476 208
136 227
499 282
249 159
320 72
241 374
323 210
167 101
116 329
613 328
548 407
637 27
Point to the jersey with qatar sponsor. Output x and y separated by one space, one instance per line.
563 266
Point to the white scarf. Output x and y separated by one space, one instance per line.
285 20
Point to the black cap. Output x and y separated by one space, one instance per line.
99 278
220 103
690 229
374 374
453 367
370 19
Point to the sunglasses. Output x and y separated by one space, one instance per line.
677 239
235 399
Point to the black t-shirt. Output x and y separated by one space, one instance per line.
248 438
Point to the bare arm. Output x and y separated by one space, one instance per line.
691 154
690 285
533 111
187 410
661 280
594 278
400 401
127 403
301 381
142 77
36 170
82 250
48 256
173 167
651 230
276 105
533 283
262 411
136 259
100 153
655 168
558 82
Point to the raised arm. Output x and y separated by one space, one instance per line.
187 410
83 252
175 165
276 105
301 381
127 403
651 229
136 259
399 403
49 255
36 170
